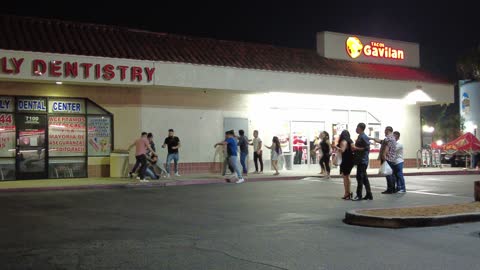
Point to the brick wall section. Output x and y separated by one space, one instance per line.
408 163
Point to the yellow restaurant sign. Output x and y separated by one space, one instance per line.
355 49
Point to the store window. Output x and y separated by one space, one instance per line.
7 138
53 137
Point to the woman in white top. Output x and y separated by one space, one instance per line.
276 152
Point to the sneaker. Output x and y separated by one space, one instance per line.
387 192
144 180
402 191
176 174
138 178
239 181
168 175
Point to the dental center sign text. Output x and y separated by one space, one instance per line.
355 48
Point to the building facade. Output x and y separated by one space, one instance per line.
143 81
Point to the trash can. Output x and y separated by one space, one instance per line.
288 161
119 163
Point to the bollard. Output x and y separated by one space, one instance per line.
477 191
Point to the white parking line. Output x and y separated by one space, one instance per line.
422 192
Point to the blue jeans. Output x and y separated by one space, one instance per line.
173 156
243 159
149 172
398 172
233 162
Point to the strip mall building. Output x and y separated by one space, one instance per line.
70 93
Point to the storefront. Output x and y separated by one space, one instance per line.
51 137
199 87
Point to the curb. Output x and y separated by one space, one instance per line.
352 217
205 182
150 184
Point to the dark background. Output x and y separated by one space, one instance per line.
444 31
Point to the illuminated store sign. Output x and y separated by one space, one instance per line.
355 48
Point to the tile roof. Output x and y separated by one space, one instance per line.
64 37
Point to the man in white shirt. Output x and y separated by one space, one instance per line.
398 168
257 151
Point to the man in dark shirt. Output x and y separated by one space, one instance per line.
362 150
243 144
173 143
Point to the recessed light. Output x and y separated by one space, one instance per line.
59 83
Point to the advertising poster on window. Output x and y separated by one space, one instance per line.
282 131
337 130
373 131
66 136
7 135
99 135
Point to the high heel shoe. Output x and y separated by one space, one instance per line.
348 196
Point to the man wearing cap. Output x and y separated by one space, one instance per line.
173 144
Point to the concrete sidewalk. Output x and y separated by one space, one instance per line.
194 179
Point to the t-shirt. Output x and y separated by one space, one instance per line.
243 144
231 147
141 146
361 157
399 153
256 144
171 142
391 143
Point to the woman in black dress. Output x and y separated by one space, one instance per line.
345 147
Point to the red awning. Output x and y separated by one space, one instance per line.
466 143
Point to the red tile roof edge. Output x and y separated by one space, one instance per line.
173 48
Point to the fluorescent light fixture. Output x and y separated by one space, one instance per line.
417 96
439 142
59 83
428 129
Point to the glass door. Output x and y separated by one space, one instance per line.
304 137
31 161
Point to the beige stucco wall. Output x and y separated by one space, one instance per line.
197 114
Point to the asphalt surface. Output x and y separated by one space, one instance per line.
262 225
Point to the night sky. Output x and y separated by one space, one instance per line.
444 31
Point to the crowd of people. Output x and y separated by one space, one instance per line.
346 154
147 163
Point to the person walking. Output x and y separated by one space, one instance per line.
326 150
243 144
232 149
172 142
398 167
345 146
142 145
361 152
276 152
387 154
226 163
257 152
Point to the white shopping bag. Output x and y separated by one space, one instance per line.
385 169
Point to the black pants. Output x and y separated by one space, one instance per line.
298 157
325 163
143 161
362 180
258 157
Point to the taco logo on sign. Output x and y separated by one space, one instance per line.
355 49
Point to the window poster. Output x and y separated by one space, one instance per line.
7 135
66 136
99 135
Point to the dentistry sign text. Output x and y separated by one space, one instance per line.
65 68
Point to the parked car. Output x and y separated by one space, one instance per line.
455 160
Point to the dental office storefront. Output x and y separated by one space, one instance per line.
293 94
